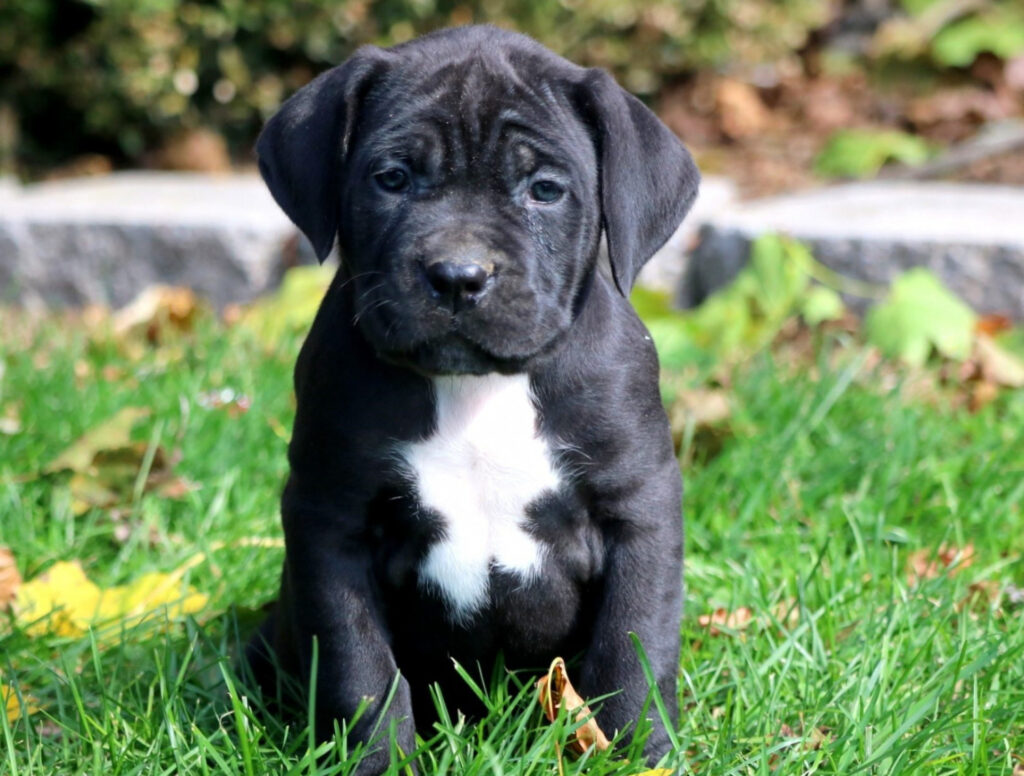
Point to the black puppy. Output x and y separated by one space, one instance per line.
480 463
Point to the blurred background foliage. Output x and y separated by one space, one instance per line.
145 82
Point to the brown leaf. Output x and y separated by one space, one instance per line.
740 109
925 564
992 324
737 620
554 691
156 312
787 612
998 365
199 149
982 393
981 595
10 579
701 406
812 741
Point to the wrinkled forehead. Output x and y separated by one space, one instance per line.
473 110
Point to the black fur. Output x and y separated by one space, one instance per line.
474 117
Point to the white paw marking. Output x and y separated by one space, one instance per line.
480 469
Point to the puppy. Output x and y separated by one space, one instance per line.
480 463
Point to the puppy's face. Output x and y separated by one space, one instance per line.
470 216
467 176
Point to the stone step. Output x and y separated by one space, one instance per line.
103 240
970 235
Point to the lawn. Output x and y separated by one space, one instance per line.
854 595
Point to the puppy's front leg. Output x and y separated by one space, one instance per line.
641 594
328 594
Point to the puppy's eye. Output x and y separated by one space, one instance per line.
546 191
392 179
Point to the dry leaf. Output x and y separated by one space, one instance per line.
701 407
741 111
114 432
65 602
998 365
554 691
812 741
10 579
981 595
157 311
737 620
925 564
787 612
992 324
105 464
10 418
13 706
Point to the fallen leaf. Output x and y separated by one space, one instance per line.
554 691
112 433
105 464
156 312
10 579
65 602
926 564
10 418
740 109
919 314
700 407
737 620
998 365
992 324
787 612
982 392
13 706
982 595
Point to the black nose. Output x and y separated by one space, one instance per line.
457 284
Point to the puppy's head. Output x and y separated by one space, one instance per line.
467 176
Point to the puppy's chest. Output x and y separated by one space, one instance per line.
479 475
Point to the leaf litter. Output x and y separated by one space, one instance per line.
109 469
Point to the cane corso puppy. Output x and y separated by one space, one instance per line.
480 464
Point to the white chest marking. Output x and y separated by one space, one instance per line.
480 469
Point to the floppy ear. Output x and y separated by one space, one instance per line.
648 178
303 147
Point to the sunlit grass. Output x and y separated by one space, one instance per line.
809 517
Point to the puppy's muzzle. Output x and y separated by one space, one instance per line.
457 285
459 269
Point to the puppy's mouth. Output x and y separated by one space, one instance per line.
452 354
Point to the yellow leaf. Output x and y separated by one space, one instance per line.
13 706
65 602
656 772
62 601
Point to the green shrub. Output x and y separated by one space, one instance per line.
119 76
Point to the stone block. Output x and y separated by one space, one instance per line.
970 235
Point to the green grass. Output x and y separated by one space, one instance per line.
808 516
